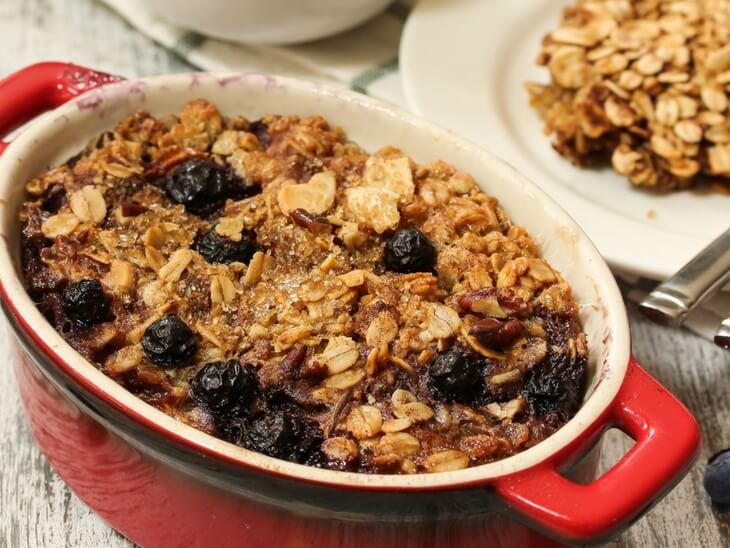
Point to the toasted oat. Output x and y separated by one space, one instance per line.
176 265
88 204
364 421
660 64
62 224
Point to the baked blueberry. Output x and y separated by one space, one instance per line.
273 434
168 342
717 478
409 250
284 436
224 387
203 186
85 302
555 385
456 375
218 249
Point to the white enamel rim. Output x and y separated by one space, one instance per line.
59 133
471 79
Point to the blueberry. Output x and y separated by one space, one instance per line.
284 436
219 249
717 478
85 302
456 375
202 186
555 385
168 342
224 387
409 251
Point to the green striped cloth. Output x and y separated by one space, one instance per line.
364 59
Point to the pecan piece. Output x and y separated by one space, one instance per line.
316 224
496 333
490 301
128 209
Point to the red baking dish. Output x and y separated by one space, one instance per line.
162 483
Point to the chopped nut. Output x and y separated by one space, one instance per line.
62 224
351 235
364 421
376 207
315 196
390 174
120 276
495 333
88 205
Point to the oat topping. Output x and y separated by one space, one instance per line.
273 284
643 84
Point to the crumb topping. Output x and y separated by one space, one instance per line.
273 284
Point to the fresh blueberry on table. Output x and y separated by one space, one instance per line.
85 303
224 387
717 478
168 342
409 250
218 249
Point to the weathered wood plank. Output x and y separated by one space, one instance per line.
36 508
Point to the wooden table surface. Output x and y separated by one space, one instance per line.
38 510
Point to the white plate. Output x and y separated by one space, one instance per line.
464 64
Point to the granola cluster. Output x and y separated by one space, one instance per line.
643 82
273 284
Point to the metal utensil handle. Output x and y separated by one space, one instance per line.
671 301
722 337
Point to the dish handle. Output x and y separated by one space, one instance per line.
44 86
667 442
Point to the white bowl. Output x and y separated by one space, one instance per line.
269 21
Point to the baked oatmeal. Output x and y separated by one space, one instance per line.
273 284
643 83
